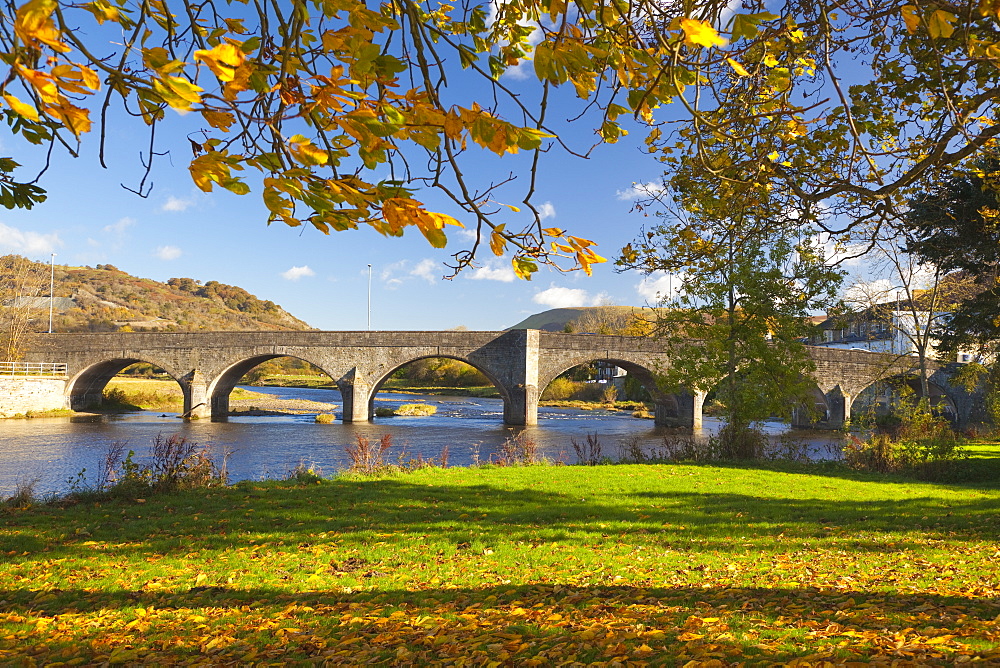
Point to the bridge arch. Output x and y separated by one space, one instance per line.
219 388
86 388
672 409
484 369
940 395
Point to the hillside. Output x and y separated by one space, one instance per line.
556 320
105 299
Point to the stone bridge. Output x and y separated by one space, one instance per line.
520 363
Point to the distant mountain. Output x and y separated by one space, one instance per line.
104 299
555 320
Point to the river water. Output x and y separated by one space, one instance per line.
53 451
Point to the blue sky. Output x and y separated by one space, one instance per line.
177 231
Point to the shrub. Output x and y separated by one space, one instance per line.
384 411
589 452
518 450
564 389
876 454
305 475
178 463
368 457
416 409
919 443
24 494
739 441
325 418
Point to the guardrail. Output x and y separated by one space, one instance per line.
32 369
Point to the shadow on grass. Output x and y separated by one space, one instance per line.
353 511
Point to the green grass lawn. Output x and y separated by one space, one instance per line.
631 564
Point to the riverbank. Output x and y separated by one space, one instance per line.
523 565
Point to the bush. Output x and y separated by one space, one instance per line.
564 389
589 452
368 457
416 409
325 418
518 450
917 442
176 463
23 496
740 441
305 475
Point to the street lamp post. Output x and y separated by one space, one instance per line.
52 286
369 298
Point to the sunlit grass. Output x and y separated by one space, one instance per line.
151 394
520 565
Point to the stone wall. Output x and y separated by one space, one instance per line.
20 394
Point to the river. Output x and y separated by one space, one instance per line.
51 452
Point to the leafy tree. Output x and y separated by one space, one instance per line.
954 227
750 276
611 319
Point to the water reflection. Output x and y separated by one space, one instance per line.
54 451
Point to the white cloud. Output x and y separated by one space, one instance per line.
168 252
556 297
120 225
295 273
390 270
503 273
28 243
641 191
657 286
176 204
546 210
427 269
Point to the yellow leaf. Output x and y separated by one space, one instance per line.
770 60
103 11
222 60
940 24
34 25
701 33
21 108
201 578
306 152
737 67
77 120
177 92
497 243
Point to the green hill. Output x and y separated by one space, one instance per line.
104 299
